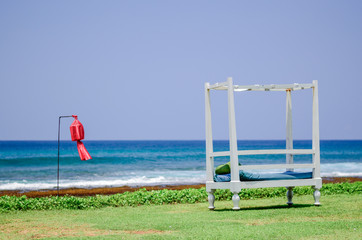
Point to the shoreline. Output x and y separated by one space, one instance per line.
82 192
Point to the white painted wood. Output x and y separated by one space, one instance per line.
265 152
278 183
270 87
262 184
275 166
218 85
316 147
276 151
317 196
232 133
221 154
236 185
273 87
211 199
208 130
236 200
289 128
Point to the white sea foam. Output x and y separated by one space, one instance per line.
132 182
342 174
348 169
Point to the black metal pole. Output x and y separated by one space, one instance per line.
59 150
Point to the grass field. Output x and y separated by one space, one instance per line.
340 217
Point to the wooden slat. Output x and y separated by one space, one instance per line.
261 184
218 85
276 151
265 152
281 183
270 87
221 154
273 87
276 166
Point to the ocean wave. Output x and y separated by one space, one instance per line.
341 169
132 182
342 174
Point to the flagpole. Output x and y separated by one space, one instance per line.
59 149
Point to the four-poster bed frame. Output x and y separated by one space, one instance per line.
235 185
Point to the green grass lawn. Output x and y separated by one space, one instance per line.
338 218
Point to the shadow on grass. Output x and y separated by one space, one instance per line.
266 207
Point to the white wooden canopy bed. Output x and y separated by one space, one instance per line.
235 181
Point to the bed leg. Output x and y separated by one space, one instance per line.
236 200
290 196
211 199
317 196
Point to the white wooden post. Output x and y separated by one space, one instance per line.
317 196
232 134
289 140
316 148
234 162
211 199
209 147
209 144
289 128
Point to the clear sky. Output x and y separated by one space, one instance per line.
136 69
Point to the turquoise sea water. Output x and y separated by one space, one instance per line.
29 165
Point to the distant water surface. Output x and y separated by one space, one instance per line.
31 165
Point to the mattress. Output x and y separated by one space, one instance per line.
248 176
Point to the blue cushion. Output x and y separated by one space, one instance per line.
248 176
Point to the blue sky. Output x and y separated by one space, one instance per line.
136 69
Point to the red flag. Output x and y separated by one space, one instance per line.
77 133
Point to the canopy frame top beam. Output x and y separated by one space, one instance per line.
256 87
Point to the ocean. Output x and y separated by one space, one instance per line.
32 165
